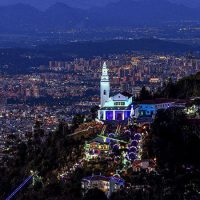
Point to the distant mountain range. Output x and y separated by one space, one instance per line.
86 3
44 4
41 54
22 18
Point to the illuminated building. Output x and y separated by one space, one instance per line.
118 107
136 91
36 92
96 149
147 165
28 92
106 184
154 80
148 108
102 147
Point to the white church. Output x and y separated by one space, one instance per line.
122 106
119 107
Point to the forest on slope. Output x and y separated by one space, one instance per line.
185 88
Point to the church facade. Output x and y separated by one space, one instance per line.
119 107
122 107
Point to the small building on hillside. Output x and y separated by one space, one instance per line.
96 149
148 108
107 184
147 165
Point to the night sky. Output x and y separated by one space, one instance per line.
84 3
47 3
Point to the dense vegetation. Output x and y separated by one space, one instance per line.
185 88
174 140
48 155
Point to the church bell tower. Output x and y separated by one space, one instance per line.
104 85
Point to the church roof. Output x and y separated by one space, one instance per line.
116 108
99 140
126 94
122 96
157 101
117 181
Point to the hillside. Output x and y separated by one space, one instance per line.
49 155
41 55
185 88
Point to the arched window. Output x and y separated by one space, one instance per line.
104 92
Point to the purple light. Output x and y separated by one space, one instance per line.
118 115
127 132
137 137
132 156
127 114
109 115
111 135
134 143
115 147
133 149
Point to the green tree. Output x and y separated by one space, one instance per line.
93 112
145 94
77 120
95 194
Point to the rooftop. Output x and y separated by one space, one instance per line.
157 101
118 181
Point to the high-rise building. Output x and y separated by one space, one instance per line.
36 92
3 100
27 92
51 64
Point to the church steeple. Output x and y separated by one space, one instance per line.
104 85
104 71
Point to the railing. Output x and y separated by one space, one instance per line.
19 188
